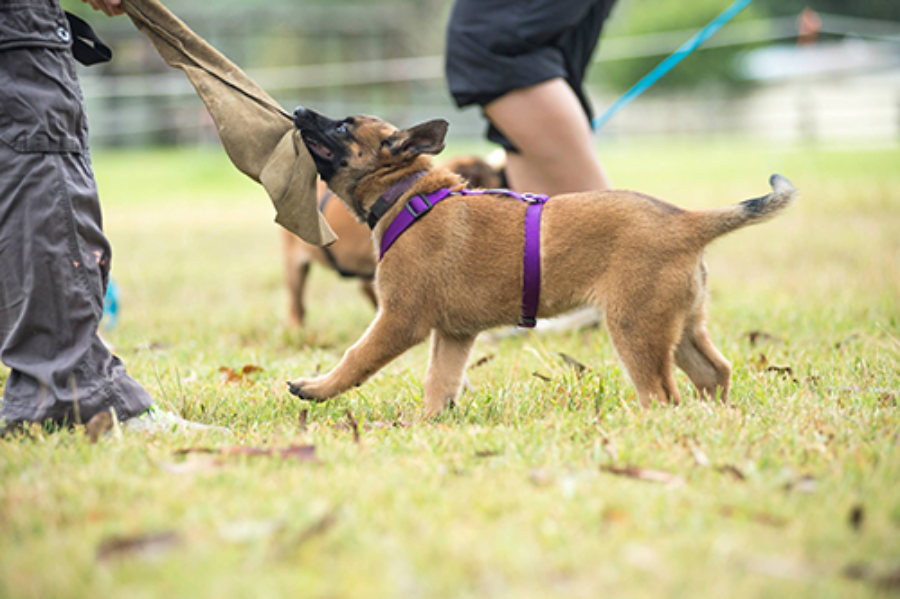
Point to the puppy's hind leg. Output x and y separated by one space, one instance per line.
696 355
446 370
644 343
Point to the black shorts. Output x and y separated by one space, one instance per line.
496 46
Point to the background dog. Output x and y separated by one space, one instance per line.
352 255
458 270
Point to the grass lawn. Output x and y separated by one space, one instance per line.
792 490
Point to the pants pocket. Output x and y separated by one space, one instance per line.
41 107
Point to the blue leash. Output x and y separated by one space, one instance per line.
673 59
111 304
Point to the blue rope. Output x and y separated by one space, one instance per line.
111 304
665 66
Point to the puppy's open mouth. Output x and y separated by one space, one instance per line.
317 148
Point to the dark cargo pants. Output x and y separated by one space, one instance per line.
54 257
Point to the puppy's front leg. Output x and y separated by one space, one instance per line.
389 335
446 368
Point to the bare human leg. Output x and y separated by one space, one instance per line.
556 147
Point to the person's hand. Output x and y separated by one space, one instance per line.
110 7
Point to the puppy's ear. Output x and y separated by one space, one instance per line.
425 138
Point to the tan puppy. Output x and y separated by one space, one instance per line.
458 270
352 255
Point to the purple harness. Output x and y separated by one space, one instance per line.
419 205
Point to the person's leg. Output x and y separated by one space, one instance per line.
55 261
547 124
54 257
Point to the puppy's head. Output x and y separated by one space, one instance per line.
353 154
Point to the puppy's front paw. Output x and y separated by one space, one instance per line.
303 389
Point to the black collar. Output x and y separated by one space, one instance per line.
387 199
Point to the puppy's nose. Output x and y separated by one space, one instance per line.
300 113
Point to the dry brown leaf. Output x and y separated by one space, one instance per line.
646 474
543 377
786 372
887 400
885 580
187 450
487 453
386 424
229 375
614 515
319 527
857 517
99 425
756 337
846 341
302 419
354 426
152 346
732 471
143 546
300 452
781 370
481 361
760 361
609 446
370 425
246 450
572 363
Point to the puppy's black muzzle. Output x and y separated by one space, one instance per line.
320 136
305 117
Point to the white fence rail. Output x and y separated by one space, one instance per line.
846 105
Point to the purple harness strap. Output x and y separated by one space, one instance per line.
419 205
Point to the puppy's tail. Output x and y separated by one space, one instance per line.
719 221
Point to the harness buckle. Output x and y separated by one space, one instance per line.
417 213
534 198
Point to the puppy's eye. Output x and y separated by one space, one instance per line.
342 128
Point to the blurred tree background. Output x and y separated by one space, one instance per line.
872 9
321 31
390 55
641 17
